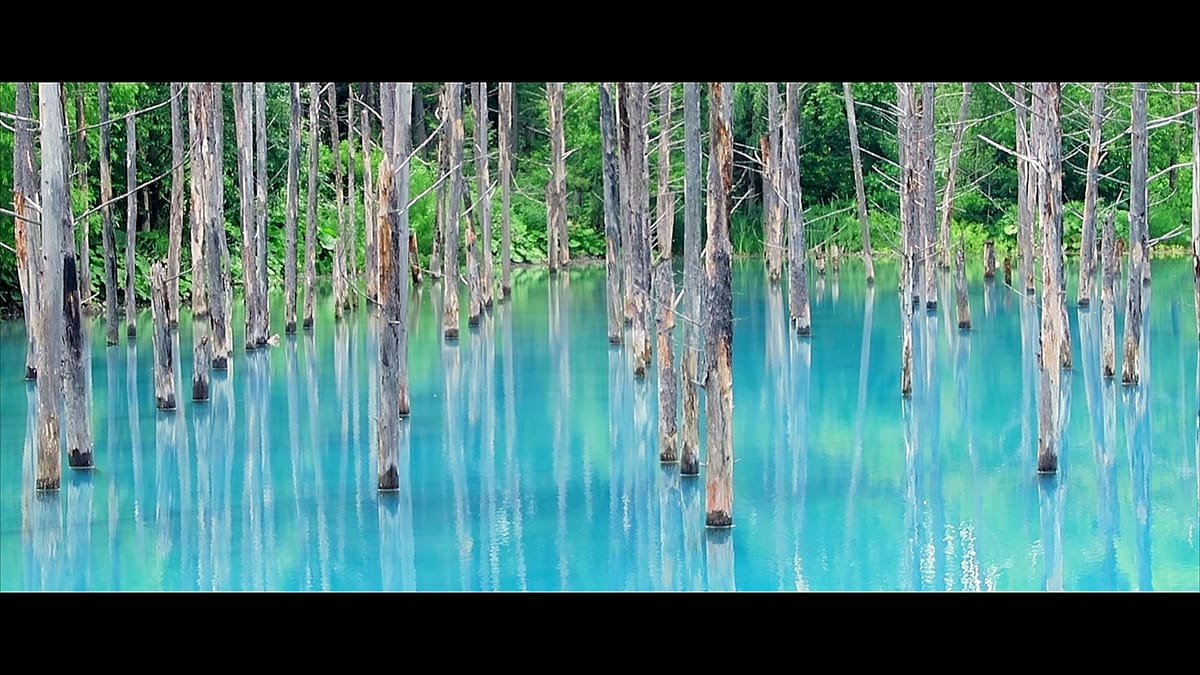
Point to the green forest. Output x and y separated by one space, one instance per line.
985 195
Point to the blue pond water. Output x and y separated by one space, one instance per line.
530 459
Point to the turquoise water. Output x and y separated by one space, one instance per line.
531 458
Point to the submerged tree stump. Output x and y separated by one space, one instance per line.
960 283
689 461
989 259
612 218
164 357
798 306
454 131
200 133
1138 246
1108 274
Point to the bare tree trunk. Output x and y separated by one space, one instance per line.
483 175
773 200
130 224
955 149
1046 108
505 143
219 299
928 198
164 357
263 326
989 259
612 206
454 126
1024 186
635 175
175 237
1196 203
339 248
908 229
351 208
310 223
50 272
370 221
81 175
689 461
471 252
554 200
293 208
443 187
664 287
1130 371
200 135
27 224
109 235
719 317
243 118
1087 244
1108 272
797 248
960 284
859 189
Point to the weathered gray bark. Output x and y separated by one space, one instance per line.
175 237
960 287
718 323
351 208
635 174
27 224
50 273
1087 244
293 208
370 219
859 189
310 221
81 176
1196 205
200 134
612 206
164 357
664 288
1109 265
263 314
505 142
798 306
928 198
219 295
1046 108
471 253
908 225
952 171
1024 187
130 224
454 127
773 190
989 259
483 176
1130 370
554 199
243 122
689 460
109 237
436 263
339 247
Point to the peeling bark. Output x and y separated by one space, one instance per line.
689 461
798 306
200 133
633 143
27 225
1046 107
216 247
164 357
50 272
1130 369
483 181
773 188
612 206
664 289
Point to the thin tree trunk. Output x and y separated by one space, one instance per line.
370 222
612 206
293 207
859 189
130 225
109 234
402 151
773 200
1024 181
798 306
471 253
175 237
443 187
339 247
200 134
554 107
351 208
960 284
27 224
928 198
560 180
1130 370
1046 108
219 299
634 175
164 357
955 149
505 143
1196 203
50 272
719 315
81 175
689 461
625 175
483 175
664 288
243 118
1108 271
263 327
1087 244
454 126
908 225
989 259
310 222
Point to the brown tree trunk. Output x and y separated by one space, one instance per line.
554 107
1046 108
50 272
859 189
164 357
719 316
27 225
175 237
1024 187
263 327
454 127
798 305
243 118
483 176
200 134
633 142
471 253
130 224
955 149
1109 265
1130 370
773 200
689 460
612 206
310 222
370 220
960 285
989 259
219 300
505 143
339 247
1087 244
664 288
293 208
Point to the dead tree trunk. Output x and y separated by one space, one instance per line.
689 460
27 224
989 259
1087 244
624 174
859 189
773 200
505 142
401 153
1046 107
243 124
960 284
175 237
471 253
109 236
351 208
951 172
560 182
719 316
454 128
554 107
664 287
370 220
1108 273
50 272
130 224
310 221
200 134
219 300
339 247
81 176
612 205
164 357
263 326
1196 204
797 248
908 226
483 176
1024 187
293 207
1130 371
633 95
928 198
443 187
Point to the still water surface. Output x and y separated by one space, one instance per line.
530 459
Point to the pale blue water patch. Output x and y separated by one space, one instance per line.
530 460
